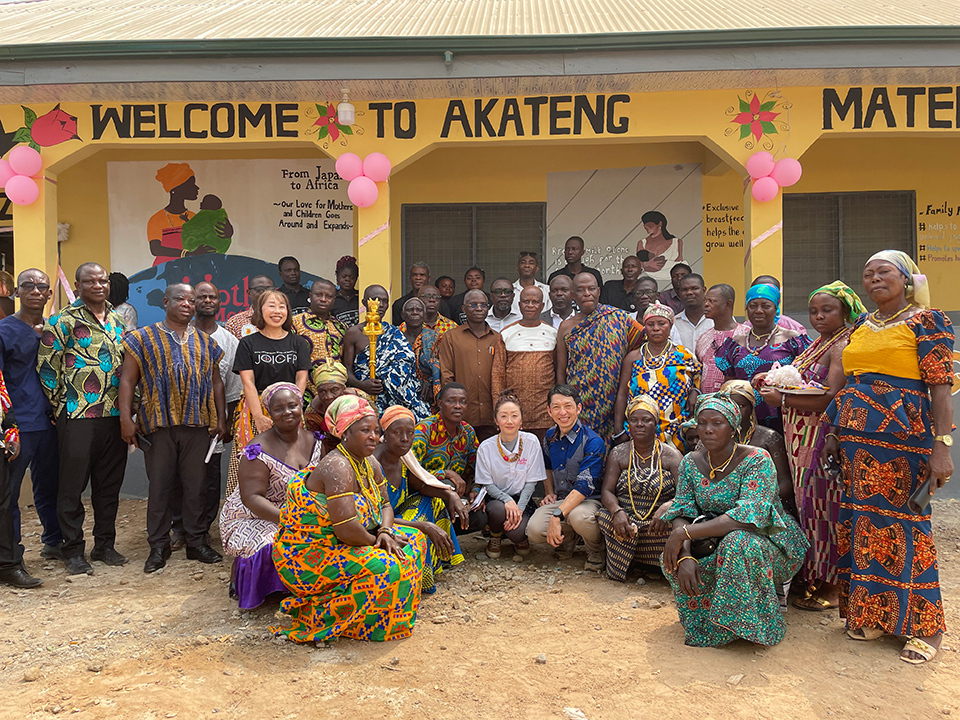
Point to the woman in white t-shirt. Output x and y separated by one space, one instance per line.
509 466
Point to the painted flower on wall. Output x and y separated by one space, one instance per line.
52 128
327 125
756 118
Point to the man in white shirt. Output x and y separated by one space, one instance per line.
561 298
502 302
691 324
527 269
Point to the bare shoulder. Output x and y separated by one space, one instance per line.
670 453
567 325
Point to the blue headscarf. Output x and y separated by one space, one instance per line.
765 292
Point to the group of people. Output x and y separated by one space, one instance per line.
652 427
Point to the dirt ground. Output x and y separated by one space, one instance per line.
121 644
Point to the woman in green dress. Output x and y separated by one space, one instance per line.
732 592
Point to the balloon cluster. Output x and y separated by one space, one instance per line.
770 175
363 176
16 175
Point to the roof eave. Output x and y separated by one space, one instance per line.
478 44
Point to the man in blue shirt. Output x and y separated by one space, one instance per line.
19 341
573 455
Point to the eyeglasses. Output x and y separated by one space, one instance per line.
31 286
528 253
430 296
502 291
478 306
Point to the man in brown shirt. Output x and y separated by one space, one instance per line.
466 356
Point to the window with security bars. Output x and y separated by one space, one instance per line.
452 238
829 236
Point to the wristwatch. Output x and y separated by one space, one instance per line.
945 439
558 513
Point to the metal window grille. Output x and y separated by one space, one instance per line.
452 237
829 236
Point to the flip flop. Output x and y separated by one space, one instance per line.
922 648
865 634
799 604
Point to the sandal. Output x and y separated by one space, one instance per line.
865 633
813 603
922 648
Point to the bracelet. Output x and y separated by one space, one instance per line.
386 531
618 510
687 533
833 435
352 517
686 557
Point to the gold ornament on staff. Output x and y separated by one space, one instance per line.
372 329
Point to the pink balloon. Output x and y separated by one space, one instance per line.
765 189
376 166
787 172
760 164
362 191
25 160
22 190
6 172
349 166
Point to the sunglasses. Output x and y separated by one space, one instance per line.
527 253
478 306
31 286
502 291
431 296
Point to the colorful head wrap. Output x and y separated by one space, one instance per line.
394 413
765 292
267 395
722 403
658 309
173 175
848 298
329 371
745 390
643 402
918 291
345 411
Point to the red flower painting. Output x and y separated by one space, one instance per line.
52 128
756 118
327 123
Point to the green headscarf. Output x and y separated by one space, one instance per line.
847 297
722 403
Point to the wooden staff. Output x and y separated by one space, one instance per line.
373 329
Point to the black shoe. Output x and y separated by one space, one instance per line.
78 565
204 553
108 556
19 578
51 552
157 559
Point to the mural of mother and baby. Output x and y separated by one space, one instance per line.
174 231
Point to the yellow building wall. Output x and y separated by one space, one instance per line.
859 164
516 173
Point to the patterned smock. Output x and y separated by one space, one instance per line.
889 577
739 581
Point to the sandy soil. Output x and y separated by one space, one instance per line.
121 644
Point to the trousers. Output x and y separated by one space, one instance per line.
582 520
38 451
91 450
11 551
211 502
174 459
497 518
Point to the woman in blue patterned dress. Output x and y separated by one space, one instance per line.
732 592
755 349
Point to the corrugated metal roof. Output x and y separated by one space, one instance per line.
60 21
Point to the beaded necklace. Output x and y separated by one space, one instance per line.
886 321
505 455
369 491
766 341
649 359
655 455
817 349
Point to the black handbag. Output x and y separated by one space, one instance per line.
704 547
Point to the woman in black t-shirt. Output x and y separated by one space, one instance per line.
346 306
274 354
